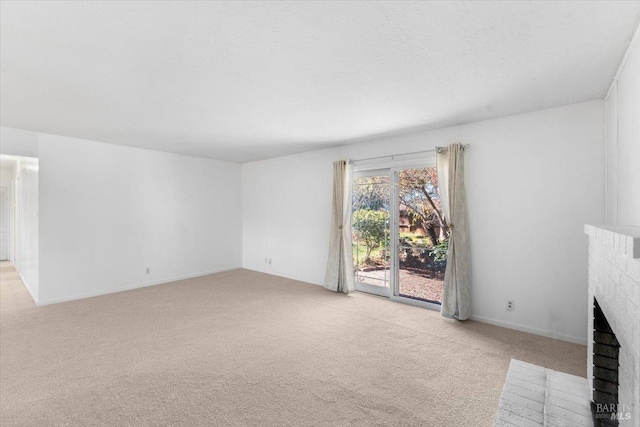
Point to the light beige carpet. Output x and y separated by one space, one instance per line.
247 349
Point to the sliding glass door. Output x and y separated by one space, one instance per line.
421 242
372 232
400 236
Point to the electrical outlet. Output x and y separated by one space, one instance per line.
269 261
148 270
511 305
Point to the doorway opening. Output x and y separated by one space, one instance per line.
19 218
400 236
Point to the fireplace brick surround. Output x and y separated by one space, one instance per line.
614 281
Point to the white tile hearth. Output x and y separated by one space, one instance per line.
535 396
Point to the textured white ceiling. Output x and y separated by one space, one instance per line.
244 81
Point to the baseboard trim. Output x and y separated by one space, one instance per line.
284 275
24 282
297 278
482 319
527 329
135 286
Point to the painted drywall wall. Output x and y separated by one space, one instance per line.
7 176
26 226
109 212
623 141
533 181
18 142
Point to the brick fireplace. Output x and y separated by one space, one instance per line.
614 303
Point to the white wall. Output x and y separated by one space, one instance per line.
533 181
6 175
623 141
18 142
108 212
7 172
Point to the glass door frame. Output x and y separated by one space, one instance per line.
392 170
383 291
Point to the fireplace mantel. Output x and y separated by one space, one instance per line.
625 239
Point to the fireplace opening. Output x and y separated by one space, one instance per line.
606 350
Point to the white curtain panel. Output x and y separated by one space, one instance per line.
456 295
339 277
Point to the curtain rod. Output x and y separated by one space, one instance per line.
393 156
